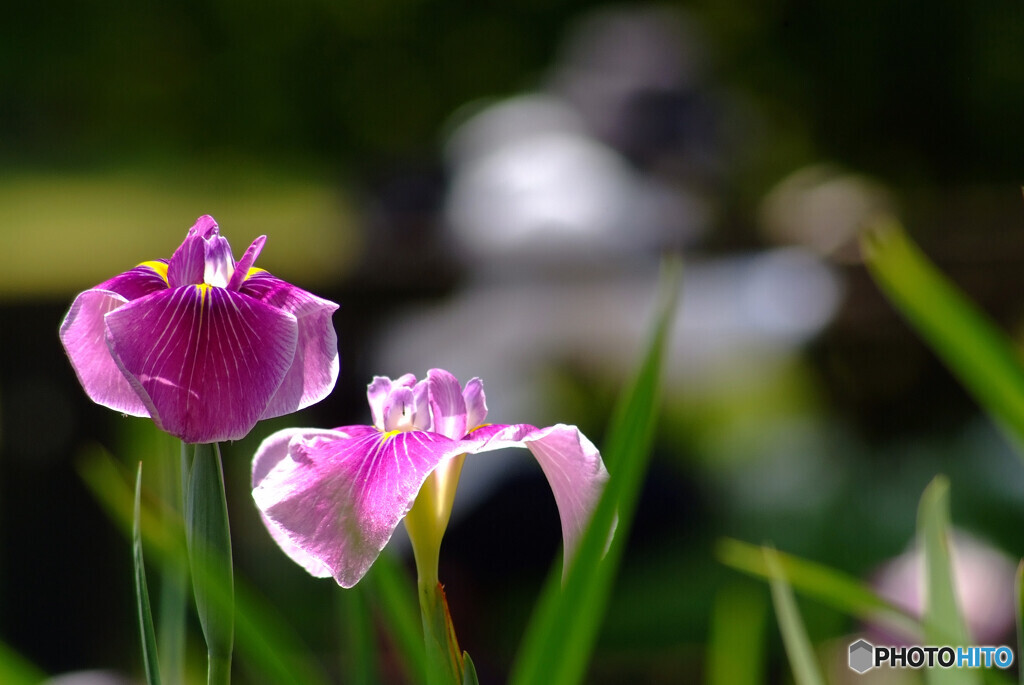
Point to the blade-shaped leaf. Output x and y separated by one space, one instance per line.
150 662
396 597
736 645
16 669
944 624
794 635
560 636
266 645
360 664
838 590
1018 605
974 349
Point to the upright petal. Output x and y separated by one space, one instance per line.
571 463
314 367
339 500
188 263
219 263
83 335
205 361
447 406
245 263
476 404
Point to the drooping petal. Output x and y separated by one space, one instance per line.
205 361
476 404
447 406
314 368
83 335
270 453
340 500
571 463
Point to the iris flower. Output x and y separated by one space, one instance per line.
204 345
331 499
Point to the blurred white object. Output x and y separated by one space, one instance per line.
89 678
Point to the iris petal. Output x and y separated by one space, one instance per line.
340 500
476 403
83 335
571 463
447 406
314 367
138 282
205 361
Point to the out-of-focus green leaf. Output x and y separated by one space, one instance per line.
943 623
469 676
16 669
150 662
737 640
794 635
266 646
360 662
975 350
1018 605
398 605
560 636
830 586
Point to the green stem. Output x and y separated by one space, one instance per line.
209 550
444 659
174 587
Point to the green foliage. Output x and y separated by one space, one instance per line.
560 637
151 663
794 635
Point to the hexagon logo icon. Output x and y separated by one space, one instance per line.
862 655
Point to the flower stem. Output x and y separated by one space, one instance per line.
209 550
444 659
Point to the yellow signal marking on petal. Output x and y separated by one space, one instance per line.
159 267
390 434
203 288
253 270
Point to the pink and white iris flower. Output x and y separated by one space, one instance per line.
331 499
204 345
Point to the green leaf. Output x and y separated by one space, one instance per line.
469 676
838 590
975 350
943 623
737 640
794 635
16 669
360 663
209 552
150 662
396 599
266 645
1018 605
561 634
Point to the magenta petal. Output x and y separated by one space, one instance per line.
447 406
476 404
219 265
245 263
135 283
188 263
84 337
270 453
205 361
571 463
340 500
377 394
314 368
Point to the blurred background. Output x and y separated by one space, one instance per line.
489 188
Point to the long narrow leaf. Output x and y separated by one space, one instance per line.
16 669
736 645
794 635
838 590
396 596
974 349
150 662
265 644
944 624
360 663
560 637
1018 605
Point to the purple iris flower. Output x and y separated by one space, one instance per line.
331 499
204 345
